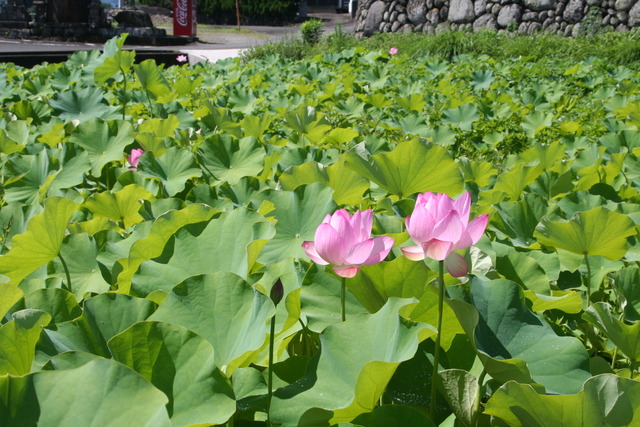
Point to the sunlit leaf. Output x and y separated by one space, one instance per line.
412 167
181 365
41 242
606 400
225 310
598 231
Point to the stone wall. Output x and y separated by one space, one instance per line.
565 17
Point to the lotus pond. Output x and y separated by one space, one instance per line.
152 269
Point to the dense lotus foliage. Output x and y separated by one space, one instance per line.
135 289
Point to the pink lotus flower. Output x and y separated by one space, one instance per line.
440 225
134 158
393 51
182 58
346 243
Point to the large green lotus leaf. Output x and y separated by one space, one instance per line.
243 100
110 313
181 365
607 400
33 177
308 122
79 252
426 311
104 316
375 284
348 186
629 139
69 360
535 122
230 243
394 415
18 339
100 393
319 299
225 310
79 334
525 271
460 389
18 402
160 127
477 172
256 126
61 305
121 61
14 137
463 116
511 185
579 201
122 207
298 213
625 337
173 169
545 156
567 301
229 159
104 141
151 78
626 281
40 243
598 231
71 174
152 245
9 296
358 358
518 220
82 104
515 344
412 167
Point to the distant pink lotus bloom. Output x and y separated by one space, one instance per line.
346 243
134 158
393 51
182 58
440 226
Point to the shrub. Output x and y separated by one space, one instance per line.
311 31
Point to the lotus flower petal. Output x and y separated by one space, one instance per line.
347 272
330 244
440 225
437 249
310 250
456 265
345 242
359 253
413 253
381 247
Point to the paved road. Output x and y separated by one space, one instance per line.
219 46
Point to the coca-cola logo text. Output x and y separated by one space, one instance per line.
181 12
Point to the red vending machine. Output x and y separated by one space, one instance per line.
184 17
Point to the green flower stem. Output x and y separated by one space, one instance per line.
343 298
586 260
270 377
436 352
124 93
66 272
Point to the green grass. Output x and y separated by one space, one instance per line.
618 48
217 30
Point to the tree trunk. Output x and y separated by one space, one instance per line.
238 13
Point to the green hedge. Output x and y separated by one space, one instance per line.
251 11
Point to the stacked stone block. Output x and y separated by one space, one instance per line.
565 17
